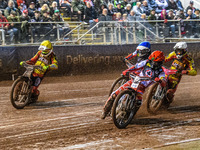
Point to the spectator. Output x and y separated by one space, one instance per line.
191 7
162 4
190 25
31 9
137 9
104 16
111 12
5 27
3 4
119 9
146 8
97 5
90 1
21 8
89 14
36 28
65 6
152 4
14 26
60 26
19 2
197 13
28 2
10 8
53 7
78 7
45 8
118 1
24 19
127 9
42 2
101 9
132 16
46 27
163 25
152 16
179 5
171 25
172 5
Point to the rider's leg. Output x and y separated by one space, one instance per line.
173 84
36 82
109 102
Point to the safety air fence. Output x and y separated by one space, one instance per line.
82 59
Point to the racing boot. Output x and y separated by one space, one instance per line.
107 107
35 94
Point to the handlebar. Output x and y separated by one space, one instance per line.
139 78
28 66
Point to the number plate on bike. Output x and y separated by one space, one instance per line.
134 85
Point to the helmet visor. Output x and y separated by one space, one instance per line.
143 52
156 64
180 51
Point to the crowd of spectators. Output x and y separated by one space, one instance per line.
92 11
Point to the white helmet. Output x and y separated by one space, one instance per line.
180 49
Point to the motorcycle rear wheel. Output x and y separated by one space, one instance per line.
153 105
124 109
20 93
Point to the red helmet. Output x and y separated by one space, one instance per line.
156 59
157 56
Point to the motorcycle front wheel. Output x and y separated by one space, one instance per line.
153 105
117 83
20 93
124 109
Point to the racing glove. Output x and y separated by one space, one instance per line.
21 63
45 68
162 82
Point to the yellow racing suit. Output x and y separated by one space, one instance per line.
41 60
186 63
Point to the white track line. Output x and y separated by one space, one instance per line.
49 130
52 119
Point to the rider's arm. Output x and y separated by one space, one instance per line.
192 71
33 60
132 55
54 63
170 57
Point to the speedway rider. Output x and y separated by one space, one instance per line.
151 68
46 58
142 53
181 62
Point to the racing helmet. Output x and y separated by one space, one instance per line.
156 59
180 49
144 50
46 48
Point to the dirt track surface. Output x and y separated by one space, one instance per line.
67 116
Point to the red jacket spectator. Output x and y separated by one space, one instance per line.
3 19
19 2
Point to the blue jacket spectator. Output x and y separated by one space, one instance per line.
179 5
152 4
146 8
137 9
162 4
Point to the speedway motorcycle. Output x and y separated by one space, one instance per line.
157 96
21 92
126 105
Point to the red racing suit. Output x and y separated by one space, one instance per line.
147 71
40 60
131 56
185 64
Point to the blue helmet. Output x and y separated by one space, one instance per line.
144 50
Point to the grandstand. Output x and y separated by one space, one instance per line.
98 21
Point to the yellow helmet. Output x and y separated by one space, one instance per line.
46 47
